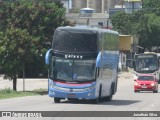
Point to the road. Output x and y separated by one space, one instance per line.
124 100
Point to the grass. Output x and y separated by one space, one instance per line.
9 93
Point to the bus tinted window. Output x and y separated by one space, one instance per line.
75 41
110 42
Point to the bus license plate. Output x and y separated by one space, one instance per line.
71 95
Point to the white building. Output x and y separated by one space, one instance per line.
100 6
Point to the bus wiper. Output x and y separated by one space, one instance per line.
82 80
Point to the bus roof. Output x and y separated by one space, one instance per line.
87 28
150 53
147 53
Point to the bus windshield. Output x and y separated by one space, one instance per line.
146 64
75 41
73 70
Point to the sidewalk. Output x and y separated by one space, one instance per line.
26 84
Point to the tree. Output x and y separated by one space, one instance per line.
16 49
121 22
151 7
153 36
144 22
26 30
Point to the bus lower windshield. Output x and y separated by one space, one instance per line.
143 64
73 70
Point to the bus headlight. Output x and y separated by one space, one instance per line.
90 88
51 85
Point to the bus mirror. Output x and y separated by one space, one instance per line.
98 60
47 57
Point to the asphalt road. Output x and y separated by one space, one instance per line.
124 100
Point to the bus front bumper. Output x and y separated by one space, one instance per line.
88 94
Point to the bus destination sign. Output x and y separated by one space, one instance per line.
73 56
145 56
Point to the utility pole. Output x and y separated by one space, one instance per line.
102 6
87 3
122 3
68 6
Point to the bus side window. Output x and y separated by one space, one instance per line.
97 72
134 64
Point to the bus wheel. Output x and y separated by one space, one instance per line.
109 98
96 101
57 100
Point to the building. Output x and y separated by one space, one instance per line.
100 6
100 17
128 45
132 5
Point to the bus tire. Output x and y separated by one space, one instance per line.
116 83
96 101
109 98
57 100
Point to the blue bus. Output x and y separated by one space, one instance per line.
83 64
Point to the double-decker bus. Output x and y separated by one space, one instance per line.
83 64
146 63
